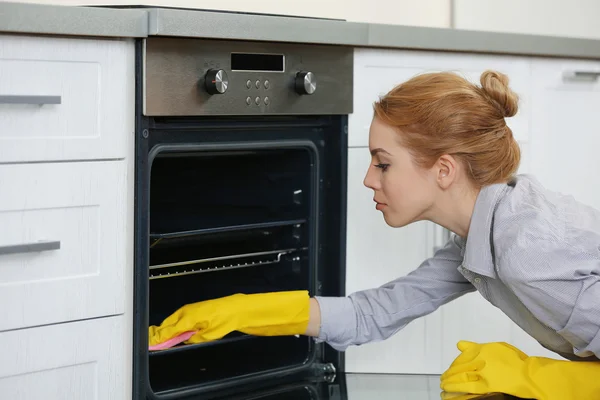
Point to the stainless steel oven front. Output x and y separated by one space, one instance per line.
240 188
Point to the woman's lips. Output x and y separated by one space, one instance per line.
379 206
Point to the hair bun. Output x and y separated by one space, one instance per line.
495 85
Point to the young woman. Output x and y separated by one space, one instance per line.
441 151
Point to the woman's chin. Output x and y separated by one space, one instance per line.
394 221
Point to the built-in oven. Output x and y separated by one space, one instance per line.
240 188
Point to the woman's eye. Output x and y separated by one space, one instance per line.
382 166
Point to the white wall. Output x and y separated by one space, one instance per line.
435 13
575 18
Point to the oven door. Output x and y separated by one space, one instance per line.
236 206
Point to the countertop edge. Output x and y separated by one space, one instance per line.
48 19
31 18
461 40
238 26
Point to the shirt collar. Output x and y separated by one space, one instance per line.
478 247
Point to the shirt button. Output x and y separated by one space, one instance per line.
477 280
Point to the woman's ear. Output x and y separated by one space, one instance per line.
446 169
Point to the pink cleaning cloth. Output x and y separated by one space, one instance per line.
173 341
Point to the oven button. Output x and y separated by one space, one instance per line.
248 83
216 81
257 100
257 83
267 84
306 83
267 101
248 100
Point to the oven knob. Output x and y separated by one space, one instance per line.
306 83
216 81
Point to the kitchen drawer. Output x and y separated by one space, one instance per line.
79 360
65 98
83 208
377 71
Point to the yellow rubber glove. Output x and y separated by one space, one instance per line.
263 314
458 396
500 367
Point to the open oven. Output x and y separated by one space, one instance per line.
240 188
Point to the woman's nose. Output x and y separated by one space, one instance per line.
371 180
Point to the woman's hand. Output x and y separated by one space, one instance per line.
489 367
263 314
502 368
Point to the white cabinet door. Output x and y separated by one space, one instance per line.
63 242
377 71
376 254
566 127
79 360
65 98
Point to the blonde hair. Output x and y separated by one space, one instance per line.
443 113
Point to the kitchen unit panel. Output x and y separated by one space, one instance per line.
566 127
79 360
65 98
64 254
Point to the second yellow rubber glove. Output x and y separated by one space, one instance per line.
500 367
263 314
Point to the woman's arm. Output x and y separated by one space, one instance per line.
376 314
314 319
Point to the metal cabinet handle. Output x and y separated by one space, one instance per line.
39 100
581 75
30 247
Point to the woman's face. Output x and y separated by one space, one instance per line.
403 192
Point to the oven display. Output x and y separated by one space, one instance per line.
257 62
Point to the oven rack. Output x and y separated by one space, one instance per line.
157 238
222 263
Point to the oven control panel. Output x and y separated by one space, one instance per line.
216 82
189 77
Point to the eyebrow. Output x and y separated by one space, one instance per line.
379 150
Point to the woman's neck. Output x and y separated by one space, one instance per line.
454 208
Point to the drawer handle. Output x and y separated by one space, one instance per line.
582 75
30 247
39 100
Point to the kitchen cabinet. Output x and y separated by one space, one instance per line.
566 126
63 99
67 206
78 360
66 211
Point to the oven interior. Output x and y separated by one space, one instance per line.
224 222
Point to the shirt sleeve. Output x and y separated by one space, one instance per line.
376 314
560 285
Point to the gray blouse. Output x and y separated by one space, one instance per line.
531 252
